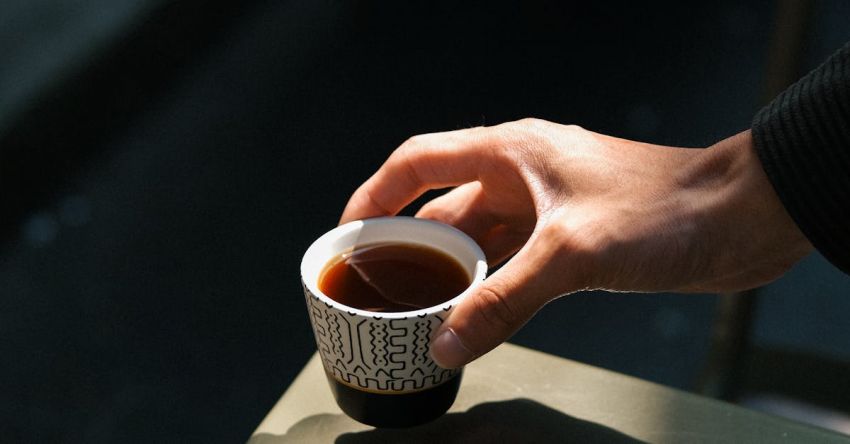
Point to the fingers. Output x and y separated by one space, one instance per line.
467 209
502 304
462 208
423 162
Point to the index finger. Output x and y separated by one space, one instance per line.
422 163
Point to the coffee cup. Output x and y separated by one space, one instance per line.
378 363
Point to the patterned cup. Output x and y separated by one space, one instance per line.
378 363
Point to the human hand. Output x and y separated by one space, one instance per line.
579 211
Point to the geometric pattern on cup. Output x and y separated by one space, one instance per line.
374 353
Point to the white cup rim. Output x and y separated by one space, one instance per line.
478 274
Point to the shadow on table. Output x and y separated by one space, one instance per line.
516 420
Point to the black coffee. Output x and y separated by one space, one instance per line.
393 277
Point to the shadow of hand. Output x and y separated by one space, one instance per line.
516 420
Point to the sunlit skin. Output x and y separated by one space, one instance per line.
574 210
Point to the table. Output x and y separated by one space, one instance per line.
518 395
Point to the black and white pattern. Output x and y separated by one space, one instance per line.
374 352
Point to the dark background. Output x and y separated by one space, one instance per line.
163 166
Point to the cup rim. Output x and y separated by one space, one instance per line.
478 274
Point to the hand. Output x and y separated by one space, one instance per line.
580 210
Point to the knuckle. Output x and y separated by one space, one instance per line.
496 308
535 134
412 143
529 128
527 138
404 158
574 128
532 122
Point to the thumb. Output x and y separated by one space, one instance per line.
497 308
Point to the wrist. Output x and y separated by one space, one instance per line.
743 226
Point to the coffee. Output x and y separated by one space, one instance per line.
393 277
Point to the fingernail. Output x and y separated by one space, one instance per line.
448 351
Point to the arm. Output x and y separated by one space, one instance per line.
577 210
803 141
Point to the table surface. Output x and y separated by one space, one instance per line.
514 394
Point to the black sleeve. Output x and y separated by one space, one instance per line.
803 141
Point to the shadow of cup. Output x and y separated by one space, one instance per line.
516 420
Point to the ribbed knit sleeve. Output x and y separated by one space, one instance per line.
803 141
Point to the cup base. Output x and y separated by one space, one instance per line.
396 411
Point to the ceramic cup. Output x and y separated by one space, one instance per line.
379 364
